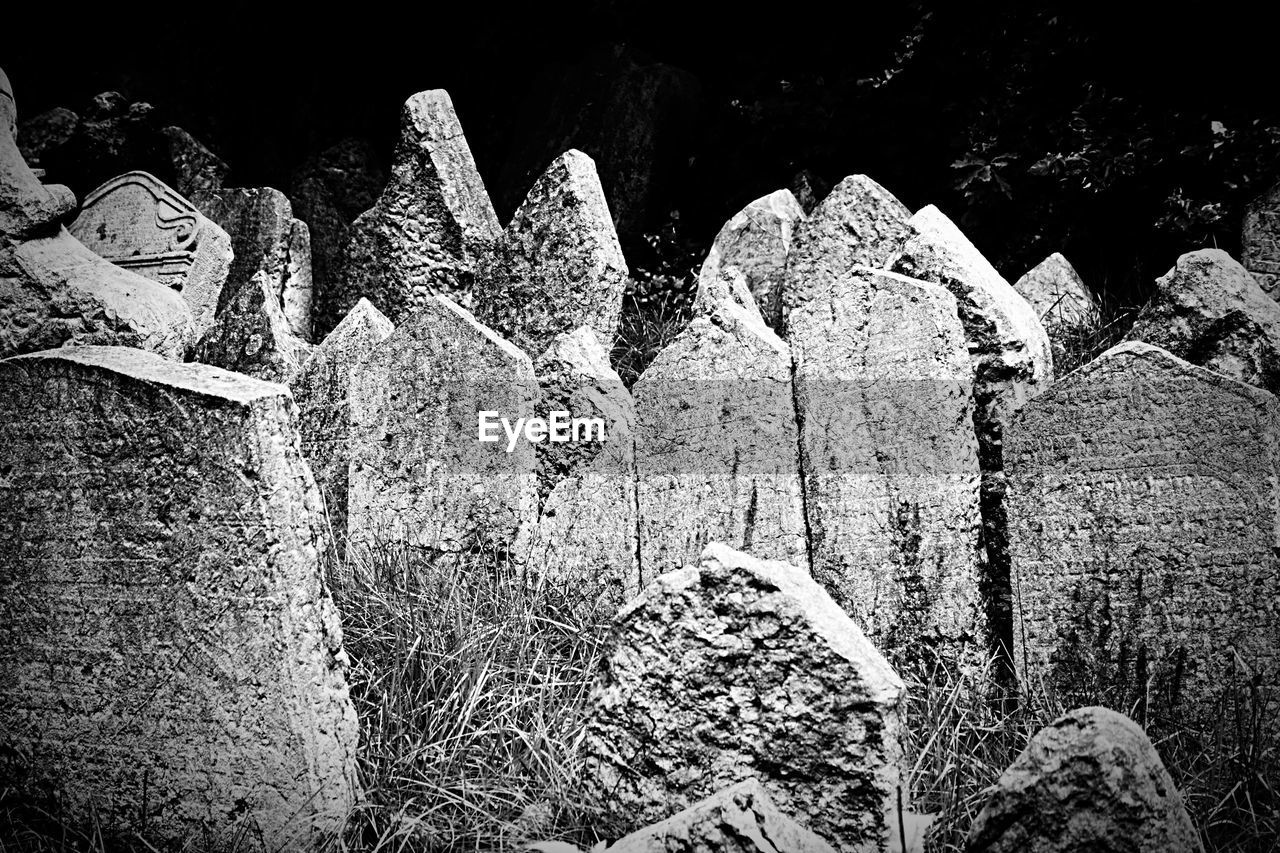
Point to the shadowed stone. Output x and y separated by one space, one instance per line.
1210 311
47 131
859 224
175 665
1143 500
738 668
738 819
716 446
1057 294
890 462
748 259
809 188
322 391
140 224
1260 240
560 265
1090 780
432 225
197 171
251 335
419 474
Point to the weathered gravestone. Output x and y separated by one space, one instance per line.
1090 780
1260 240
748 259
419 473
859 224
197 171
250 335
559 266
588 529
138 223
431 226
740 819
322 391
1011 360
1057 294
738 668
890 462
267 239
1210 311
174 665
1143 499
53 290
716 452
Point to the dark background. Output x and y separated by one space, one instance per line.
1119 135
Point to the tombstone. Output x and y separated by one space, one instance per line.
1090 780
1143 505
56 291
890 463
175 665
859 224
1260 240
267 239
737 668
431 226
328 192
1012 362
716 447
419 474
138 223
559 266
748 259
197 171
251 336
322 391
588 527
1057 294
1210 311
739 818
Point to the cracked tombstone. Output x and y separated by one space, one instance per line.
890 462
1143 506
177 665
419 474
251 336
431 226
736 668
142 225
1090 780
1260 240
1012 362
587 532
1061 300
559 265
716 447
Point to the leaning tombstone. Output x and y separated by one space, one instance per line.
142 225
891 490
1260 241
1143 495
716 447
251 336
431 226
1090 780
559 266
1065 305
176 670
737 668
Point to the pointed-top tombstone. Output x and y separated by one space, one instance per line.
1057 294
251 336
431 226
560 266
1260 240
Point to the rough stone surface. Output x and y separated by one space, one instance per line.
419 474
739 819
431 226
267 239
175 666
322 391
859 224
559 266
1143 500
738 668
1260 241
891 478
1090 780
588 531
716 447
251 335
138 223
197 171
748 259
1057 294
44 132
328 192
1210 311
